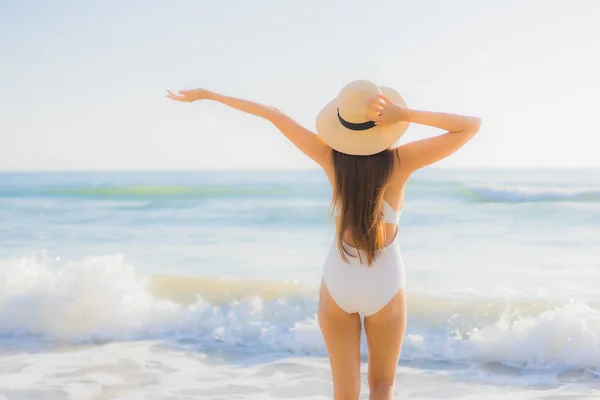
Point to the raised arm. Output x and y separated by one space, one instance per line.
420 153
307 141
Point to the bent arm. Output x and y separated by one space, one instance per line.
307 141
420 153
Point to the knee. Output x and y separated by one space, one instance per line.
383 390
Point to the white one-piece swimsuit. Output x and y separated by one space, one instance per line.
357 287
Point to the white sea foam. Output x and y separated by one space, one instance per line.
521 193
101 299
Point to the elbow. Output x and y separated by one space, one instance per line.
276 116
272 113
474 125
470 127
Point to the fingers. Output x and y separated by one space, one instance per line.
173 96
381 105
376 103
376 107
379 102
383 98
381 118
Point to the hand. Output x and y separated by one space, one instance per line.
189 96
387 111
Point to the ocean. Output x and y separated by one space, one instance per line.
203 285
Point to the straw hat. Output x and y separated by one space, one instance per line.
346 125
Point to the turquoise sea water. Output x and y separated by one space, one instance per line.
502 267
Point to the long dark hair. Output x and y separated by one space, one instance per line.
358 199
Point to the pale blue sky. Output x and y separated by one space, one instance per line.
82 83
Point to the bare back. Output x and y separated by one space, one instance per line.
394 194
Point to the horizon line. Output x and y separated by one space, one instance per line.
34 171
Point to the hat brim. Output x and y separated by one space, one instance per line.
359 143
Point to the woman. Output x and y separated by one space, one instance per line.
363 273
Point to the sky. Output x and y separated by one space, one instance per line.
83 84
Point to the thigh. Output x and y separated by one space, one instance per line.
341 332
385 332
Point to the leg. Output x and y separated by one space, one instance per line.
385 331
341 332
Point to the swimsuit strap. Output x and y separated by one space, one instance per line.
390 215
